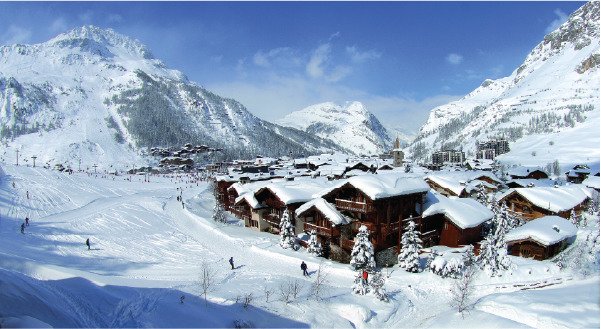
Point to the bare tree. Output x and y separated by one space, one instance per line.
268 292
247 300
462 290
289 290
207 279
321 280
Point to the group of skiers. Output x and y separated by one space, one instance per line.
303 267
26 223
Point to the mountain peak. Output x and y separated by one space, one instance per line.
101 40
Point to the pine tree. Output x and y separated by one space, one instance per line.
287 237
481 196
411 244
314 246
362 255
359 286
219 213
493 253
574 219
377 286
504 221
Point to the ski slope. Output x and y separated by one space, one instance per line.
147 251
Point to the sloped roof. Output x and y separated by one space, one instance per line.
250 198
463 212
592 182
522 171
327 209
298 190
546 230
381 186
555 199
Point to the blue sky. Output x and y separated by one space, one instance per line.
400 58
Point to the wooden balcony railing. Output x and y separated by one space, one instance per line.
354 206
272 219
326 231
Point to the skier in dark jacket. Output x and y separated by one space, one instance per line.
22 228
26 221
232 262
304 268
88 243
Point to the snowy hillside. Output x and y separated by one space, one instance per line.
552 97
351 126
147 252
94 94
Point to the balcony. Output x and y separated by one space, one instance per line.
272 219
361 207
325 231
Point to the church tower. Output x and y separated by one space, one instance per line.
397 153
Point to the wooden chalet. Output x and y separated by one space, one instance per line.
527 173
452 222
541 238
325 219
536 202
446 186
380 202
578 174
288 195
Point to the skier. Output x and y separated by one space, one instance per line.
27 195
26 221
22 228
364 276
88 243
232 262
304 268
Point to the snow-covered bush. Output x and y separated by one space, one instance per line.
362 255
360 287
314 246
452 267
409 254
219 213
287 237
493 255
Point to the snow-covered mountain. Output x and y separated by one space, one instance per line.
551 99
96 95
351 126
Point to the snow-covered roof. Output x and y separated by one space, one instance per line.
382 185
336 170
555 199
448 183
328 210
249 187
523 171
299 190
463 212
528 182
592 182
249 197
546 230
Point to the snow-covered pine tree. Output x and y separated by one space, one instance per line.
359 287
362 255
219 213
481 196
504 220
493 254
377 286
314 246
410 246
287 237
574 219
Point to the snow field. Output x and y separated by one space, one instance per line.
148 251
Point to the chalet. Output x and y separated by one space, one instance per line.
521 172
536 202
592 182
380 202
578 174
333 171
452 222
462 183
279 196
541 238
480 164
325 219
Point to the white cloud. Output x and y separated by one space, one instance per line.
454 59
314 67
338 73
86 16
281 57
334 36
360 57
15 34
58 25
115 18
561 18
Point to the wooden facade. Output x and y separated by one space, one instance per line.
383 217
532 249
526 210
313 219
439 230
222 193
274 209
